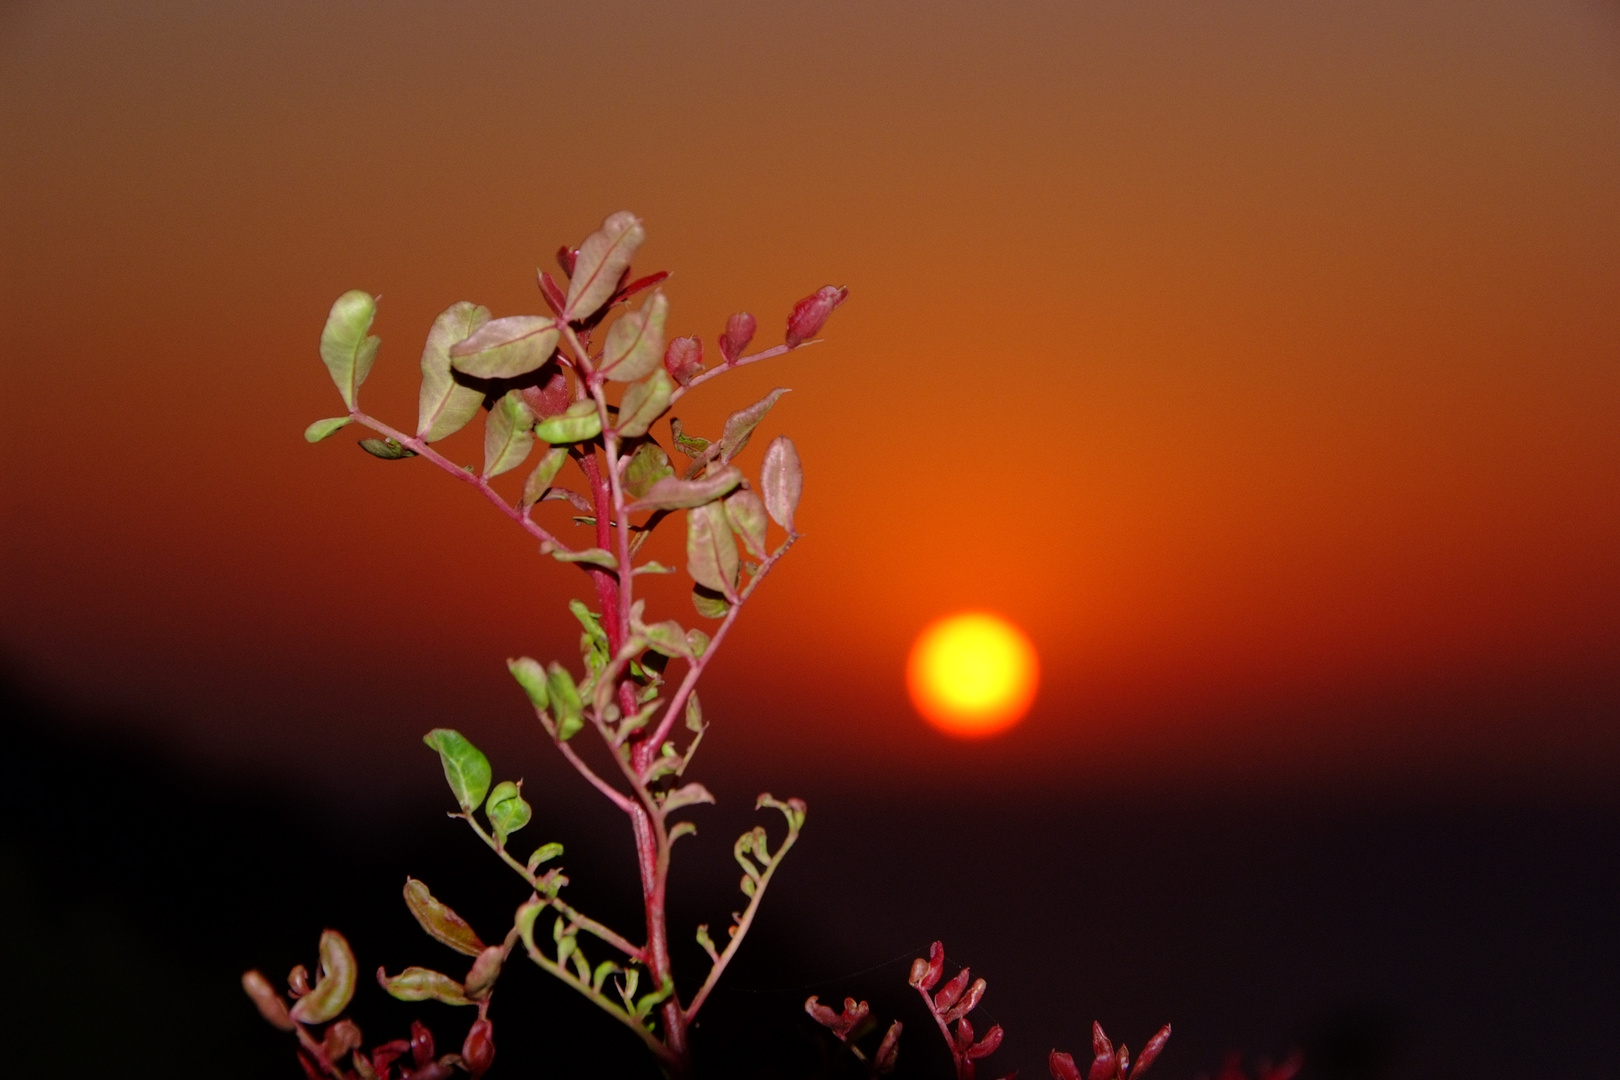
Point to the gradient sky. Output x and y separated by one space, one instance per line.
1261 359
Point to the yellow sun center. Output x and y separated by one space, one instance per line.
972 674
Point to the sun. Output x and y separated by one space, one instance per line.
972 674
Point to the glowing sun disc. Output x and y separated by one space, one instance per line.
972 674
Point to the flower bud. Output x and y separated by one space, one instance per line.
739 332
683 358
478 1051
811 313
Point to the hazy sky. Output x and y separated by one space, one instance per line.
1261 359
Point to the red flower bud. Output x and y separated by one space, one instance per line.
739 332
811 313
421 1044
565 259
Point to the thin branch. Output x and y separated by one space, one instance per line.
421 448
716 372
694 670
741 930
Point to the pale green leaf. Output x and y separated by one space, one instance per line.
711 554
602 260
439 921
709 603
635 343
423 984
465 766
507 435
595 556
566 706
320 429
740 425
506 348
334 987
387 449
782 481
648 465
644 402
674 494
653 568
346 345
580 421
690 795
532 677
668 638
544 854
746 513
534 488
444 406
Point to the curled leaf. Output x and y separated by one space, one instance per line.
599 263
347 348
423 984
594 556
648 465
544 854
443 405
578 422
540 478
690 795
485 970
710 603
334 987
746 513
532 677
506 810
674 494
507 435
888 1050
507 347
635 344
320 429
566 706
465 766
439 921
387 449
782 481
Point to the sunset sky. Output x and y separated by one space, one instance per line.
1261 360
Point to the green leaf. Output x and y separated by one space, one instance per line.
334 987
782 481
740 425
690 795
544 854
709 603
644 402
507 438
524 921
578 422
648 465
668 638
423 984
346 346
602 259
697 641
534 488
595 556
320 429
532 677
694 713
673 494
653 568
441 924
444 406
506 348
635 343
747 516
566 706
690 445
465 766
387 449
506 810
593 643
711 554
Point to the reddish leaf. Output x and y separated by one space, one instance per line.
269 1003
310 1070
951 991
985 1046
739 332
924 973
601 262
341 1038
811 313
627 291
1062 1066
969 1002
683 358
566 257
963 1037
550 399
888 1050
552 293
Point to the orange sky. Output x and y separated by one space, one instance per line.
1262 360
